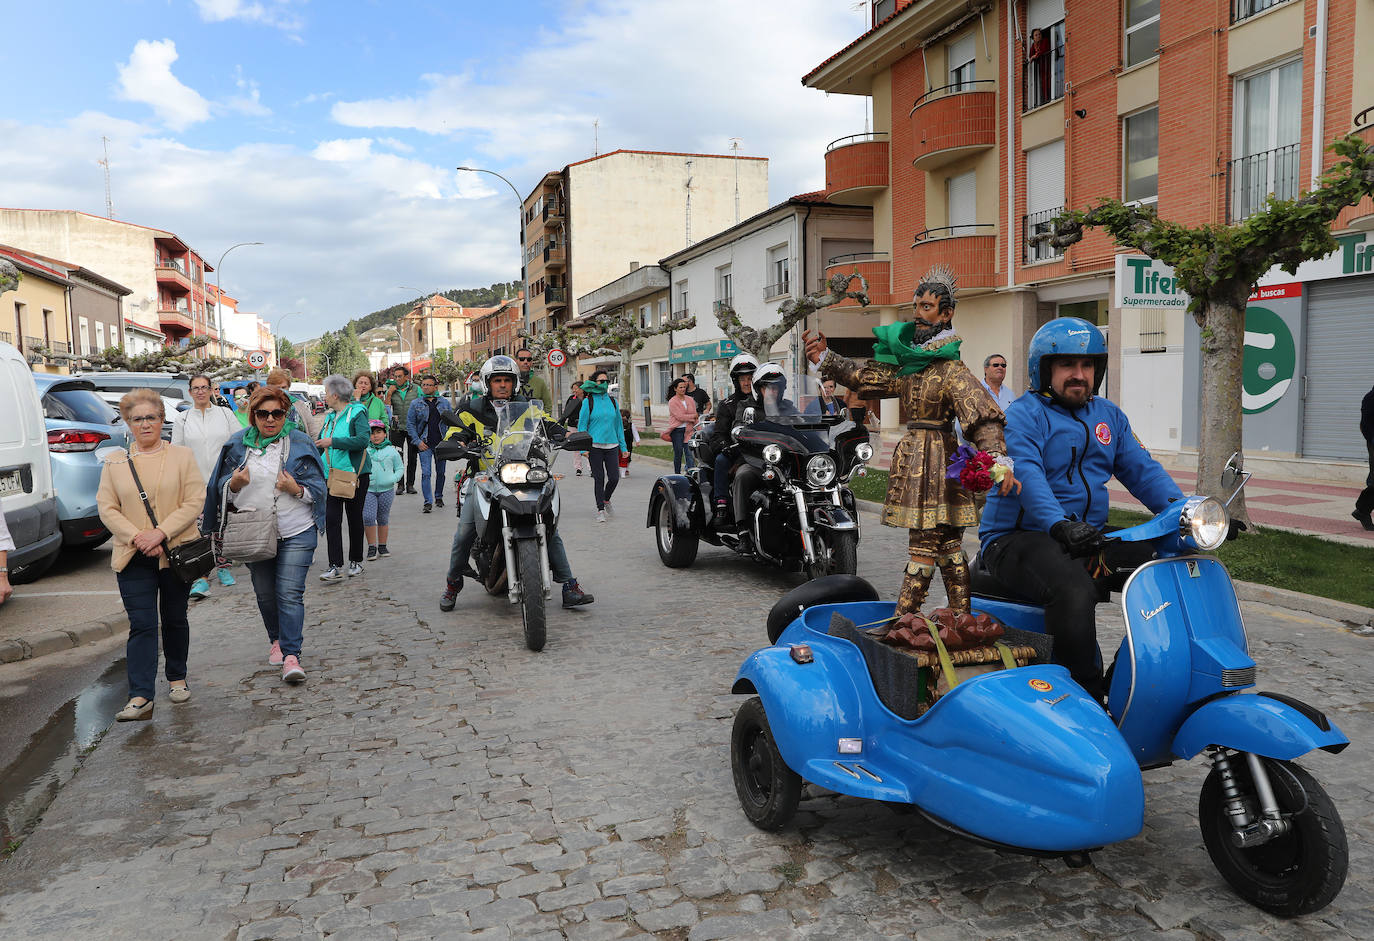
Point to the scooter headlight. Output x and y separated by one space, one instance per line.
772 453
863 451
820 471
516 472
1203 523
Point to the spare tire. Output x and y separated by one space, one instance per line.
829 589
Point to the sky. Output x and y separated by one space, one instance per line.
330 130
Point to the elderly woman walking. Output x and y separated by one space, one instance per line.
150 501
343 443
271 464
204 427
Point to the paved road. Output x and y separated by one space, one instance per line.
79 587
435 780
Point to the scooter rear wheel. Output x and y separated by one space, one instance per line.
768 790
1296 873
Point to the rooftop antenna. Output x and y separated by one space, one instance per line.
109 201
734 148
688 187
596 137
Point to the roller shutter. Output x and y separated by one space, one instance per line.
1338 370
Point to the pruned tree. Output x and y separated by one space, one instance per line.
9 275
452 372
621 333
1218 266
168 359
759 343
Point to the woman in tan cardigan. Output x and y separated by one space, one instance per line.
147 584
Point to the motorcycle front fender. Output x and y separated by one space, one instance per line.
682 495
836 518
1262 724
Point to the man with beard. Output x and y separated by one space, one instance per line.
919 362
1046 542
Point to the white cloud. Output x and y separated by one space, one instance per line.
275 13
249 102
147 77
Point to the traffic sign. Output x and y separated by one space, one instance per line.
557 357
257 359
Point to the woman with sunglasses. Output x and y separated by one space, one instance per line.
265 465
167 475
204 427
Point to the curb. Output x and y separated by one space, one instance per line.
15 649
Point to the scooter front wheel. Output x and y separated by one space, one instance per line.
768 790
1295 873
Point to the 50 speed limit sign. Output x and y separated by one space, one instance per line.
557 357
257 359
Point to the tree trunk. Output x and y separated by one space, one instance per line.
1219 427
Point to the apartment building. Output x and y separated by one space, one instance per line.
95 308
989 117
36 311
165 275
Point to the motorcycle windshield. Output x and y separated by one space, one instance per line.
519 430
816 423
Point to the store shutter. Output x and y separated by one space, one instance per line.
1340 335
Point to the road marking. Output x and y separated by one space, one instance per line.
60 594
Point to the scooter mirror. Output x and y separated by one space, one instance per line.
1233 476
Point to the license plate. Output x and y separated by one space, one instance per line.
11 482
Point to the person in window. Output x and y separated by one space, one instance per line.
826 403
1038 65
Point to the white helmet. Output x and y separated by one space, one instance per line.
743 364
499 366
770 374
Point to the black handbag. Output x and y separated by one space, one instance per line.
190 560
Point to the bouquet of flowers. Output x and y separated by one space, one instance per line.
976 471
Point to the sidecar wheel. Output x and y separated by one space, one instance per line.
1296 873
768 789
677 548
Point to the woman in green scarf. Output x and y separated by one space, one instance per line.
919 363
364 394
344 441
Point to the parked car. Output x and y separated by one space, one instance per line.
175 389
26 489
79 422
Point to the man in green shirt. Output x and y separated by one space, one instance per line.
531 386
400 392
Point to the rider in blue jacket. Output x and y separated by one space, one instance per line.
1046 543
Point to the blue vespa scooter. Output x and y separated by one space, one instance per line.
1024 759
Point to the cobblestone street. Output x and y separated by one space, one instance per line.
434 779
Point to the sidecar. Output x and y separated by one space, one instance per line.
1022 758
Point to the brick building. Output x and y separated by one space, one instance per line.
989 117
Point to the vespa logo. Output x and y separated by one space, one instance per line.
1078 333
1149 614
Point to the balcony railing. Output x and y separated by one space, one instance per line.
1043 71
1250 180
954 231
33 343
679 314
555 296
777 290
553 210
1244 9
957 88
723 302
1036 232
856 139
854 258
6 337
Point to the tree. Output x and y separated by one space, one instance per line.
622 333
452 373
338 352
9 275
759 343
1218 266
169 359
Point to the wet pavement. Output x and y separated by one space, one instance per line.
434 779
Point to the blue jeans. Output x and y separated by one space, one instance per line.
148 591
681 456
427 465
279 584
467 535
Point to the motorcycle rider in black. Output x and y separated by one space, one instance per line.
728 413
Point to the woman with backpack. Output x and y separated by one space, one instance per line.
600 417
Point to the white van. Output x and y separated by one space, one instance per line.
26 494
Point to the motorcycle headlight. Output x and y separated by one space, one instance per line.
863 451
516 472
820 471
1203 523
537 475
772 453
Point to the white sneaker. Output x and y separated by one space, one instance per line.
601 516
355 568
610 511
332 574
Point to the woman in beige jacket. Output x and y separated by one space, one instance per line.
148 586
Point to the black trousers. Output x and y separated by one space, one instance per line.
1036 566
402 443
605 464
336 510
1364 503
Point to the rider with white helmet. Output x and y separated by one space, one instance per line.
728 412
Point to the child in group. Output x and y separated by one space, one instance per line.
387 468
631 439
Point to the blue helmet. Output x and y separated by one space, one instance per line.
1066 336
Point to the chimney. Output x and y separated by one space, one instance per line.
634 266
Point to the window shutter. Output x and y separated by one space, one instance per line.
1045 177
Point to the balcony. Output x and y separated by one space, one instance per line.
173 278
1250 180
1036 232
555 297
876 268
555 256
780 289
954 121
553 211
722 303
174 320
856 168
971 250
1244 9
6 337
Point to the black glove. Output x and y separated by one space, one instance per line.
1080 538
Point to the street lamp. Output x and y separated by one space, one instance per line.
219 322
410 350
520 211
277 337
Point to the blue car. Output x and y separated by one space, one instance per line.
79 422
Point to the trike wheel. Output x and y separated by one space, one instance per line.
531 575
768 789
1295 873
677 548
836 554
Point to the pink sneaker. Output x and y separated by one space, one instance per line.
274 654
291 671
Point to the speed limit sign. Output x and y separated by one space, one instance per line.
557 357
257 359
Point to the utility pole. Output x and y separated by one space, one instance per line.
734 148
109 201
688 186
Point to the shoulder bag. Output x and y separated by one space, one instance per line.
250 535
343 481
192 559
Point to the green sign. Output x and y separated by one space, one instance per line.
717 349
1270 361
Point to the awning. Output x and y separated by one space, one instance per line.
716 349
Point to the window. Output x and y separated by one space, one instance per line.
662 317
1044 199
449 327
1043 73
1244 9
665 376
1142 31
725 293
642 379
961 54
1267 138
882 9
100 337
646 319
779 271
682 308
1141 135
962 192
83 345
